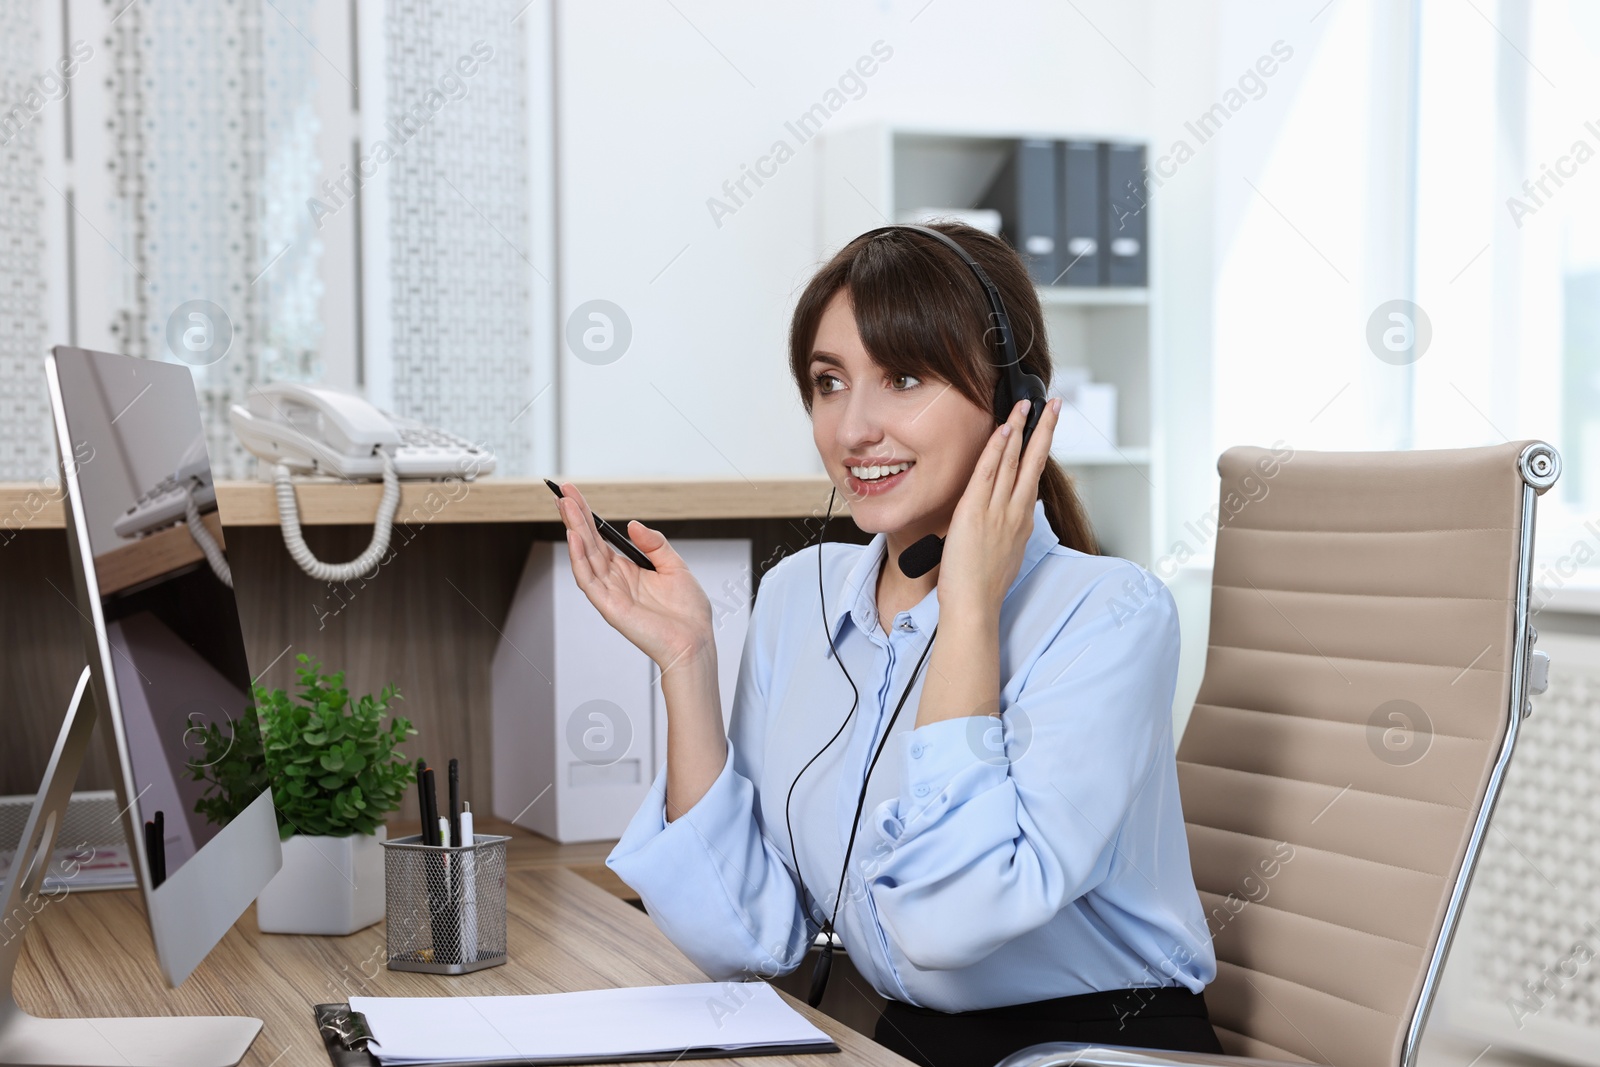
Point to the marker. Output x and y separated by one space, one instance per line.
430 809
469 890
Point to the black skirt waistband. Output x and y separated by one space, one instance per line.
1108 1005
1156 1017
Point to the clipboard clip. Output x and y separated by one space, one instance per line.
349 1028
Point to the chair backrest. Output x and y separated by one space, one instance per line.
1365 668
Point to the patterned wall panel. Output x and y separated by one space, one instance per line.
459 221
25 450
215 162
289 286
1525 970
213 148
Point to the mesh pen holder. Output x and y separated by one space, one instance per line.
445 908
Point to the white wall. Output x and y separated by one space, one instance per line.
653 120
1183 49
659 104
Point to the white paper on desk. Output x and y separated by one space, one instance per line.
592 1022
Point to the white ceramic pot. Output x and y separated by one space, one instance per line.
328 885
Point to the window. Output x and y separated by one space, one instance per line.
1444 153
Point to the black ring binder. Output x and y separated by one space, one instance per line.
345 1032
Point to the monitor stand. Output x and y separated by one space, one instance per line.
25 1040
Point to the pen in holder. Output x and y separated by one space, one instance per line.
445 908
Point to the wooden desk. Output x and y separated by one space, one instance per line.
90 954
333 501
428 620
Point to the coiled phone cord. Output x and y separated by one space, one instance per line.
202 537
289 518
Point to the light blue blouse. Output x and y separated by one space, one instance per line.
999 861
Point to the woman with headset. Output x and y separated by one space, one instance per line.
1015 870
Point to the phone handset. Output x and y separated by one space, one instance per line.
309 430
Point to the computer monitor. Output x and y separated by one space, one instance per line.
166 659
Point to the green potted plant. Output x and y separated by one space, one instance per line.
334 773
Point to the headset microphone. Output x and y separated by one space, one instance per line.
1014 385
922 557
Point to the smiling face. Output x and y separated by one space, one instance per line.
864 414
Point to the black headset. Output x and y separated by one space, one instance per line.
1014 385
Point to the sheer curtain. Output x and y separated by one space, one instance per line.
1508 239
1438 161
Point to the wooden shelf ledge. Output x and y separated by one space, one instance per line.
329 502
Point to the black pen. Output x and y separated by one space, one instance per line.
422 801
455 802
611 534
437 901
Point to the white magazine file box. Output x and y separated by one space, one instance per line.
579 722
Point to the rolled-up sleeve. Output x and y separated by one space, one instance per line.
1000 823
709 878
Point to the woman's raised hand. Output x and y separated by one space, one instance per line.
664 612
989 531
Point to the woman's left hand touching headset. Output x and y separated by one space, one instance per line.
989 530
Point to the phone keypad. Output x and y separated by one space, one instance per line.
427 441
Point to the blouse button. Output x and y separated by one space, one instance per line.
916 751
921 790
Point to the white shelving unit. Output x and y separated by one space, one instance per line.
868 173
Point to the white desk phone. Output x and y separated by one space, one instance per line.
304 429
309 430
312 430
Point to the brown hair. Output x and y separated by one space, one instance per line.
921 311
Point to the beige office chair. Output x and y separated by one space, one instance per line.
1368 665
